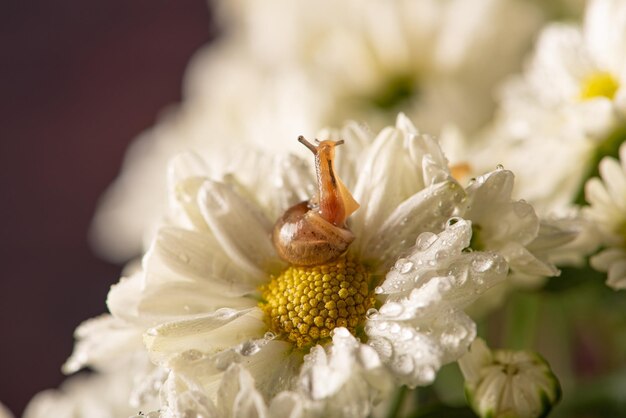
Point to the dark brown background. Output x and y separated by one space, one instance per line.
78 80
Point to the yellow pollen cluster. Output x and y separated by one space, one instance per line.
304 304
600 84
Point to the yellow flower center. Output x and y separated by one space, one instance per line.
304 304
600 84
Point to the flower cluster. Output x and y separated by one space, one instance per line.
275 283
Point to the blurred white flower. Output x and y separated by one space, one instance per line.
425 58
568 108
285 67
607 199
508 384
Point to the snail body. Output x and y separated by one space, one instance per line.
314 232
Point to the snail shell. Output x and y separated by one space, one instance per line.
313 232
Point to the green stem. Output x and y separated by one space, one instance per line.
521 321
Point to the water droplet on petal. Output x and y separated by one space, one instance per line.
482 264
425 240
499 167
379 290
371 313
403 265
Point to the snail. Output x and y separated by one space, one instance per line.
314 231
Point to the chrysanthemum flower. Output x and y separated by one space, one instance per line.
508 384
332 335
607 199
567 110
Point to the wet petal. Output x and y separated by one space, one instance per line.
241 229
426 210
200 256
209 333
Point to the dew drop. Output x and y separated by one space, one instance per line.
404 265
379 290
371 313
269 336
425 240
482 264
499 167
441 255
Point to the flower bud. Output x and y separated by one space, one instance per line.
507 383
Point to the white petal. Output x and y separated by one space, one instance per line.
124 297
180 397
603 260
286 405
345 376
200 256
421 325
237 396
241 229
426 210
414 350
293 183
102 342
183 166
522 260
478 357
617 275
176 300
615 181
597 116
185 175
209 333
399 164
184 210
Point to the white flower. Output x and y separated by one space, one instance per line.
580 73
197 296
607 199
334 337
506 383
566 110
283 67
